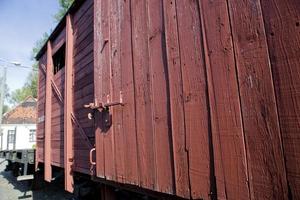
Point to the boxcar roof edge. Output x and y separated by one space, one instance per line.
73 8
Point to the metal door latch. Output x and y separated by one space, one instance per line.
105 106
102 106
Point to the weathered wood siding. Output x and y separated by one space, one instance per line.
211 94
83 87
282 24
57 122
57 115
40 134
83 91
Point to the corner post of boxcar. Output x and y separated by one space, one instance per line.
48 110
68 106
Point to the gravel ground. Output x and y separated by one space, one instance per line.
11 189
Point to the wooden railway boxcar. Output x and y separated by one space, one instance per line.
193 98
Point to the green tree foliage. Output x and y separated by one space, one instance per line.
30 86
37 46
6 98
64 6
19 95
5 109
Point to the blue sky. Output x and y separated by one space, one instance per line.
22 23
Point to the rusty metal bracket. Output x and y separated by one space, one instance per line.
105 106
102 106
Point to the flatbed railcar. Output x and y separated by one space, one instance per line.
17 138
192 99
21 162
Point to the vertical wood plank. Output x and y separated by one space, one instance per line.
48 111
68 108
117 111
182 183
282 23
230 159
99 42
128 115
108 134
143 93
195 98
40 103
160 98
263 141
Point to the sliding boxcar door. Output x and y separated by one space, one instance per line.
114 85
132 135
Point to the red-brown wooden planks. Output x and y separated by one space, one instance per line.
282 23
128 115
58 41
263 141
108 135
48 104
68 108
194 97
83 82
160 99
199 104
84 9
98 59
40 114
116 89
144 125
57 107
227 121
176 102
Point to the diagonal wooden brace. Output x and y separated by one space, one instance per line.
54 86
81 131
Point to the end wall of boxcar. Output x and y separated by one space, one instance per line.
82 27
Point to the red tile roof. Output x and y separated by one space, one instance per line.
24 113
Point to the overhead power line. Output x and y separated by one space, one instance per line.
15 65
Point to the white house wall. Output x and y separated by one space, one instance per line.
22 136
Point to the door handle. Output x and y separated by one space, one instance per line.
91 156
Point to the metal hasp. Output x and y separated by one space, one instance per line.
68 106
104 109
102 106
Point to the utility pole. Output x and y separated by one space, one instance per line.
2 88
